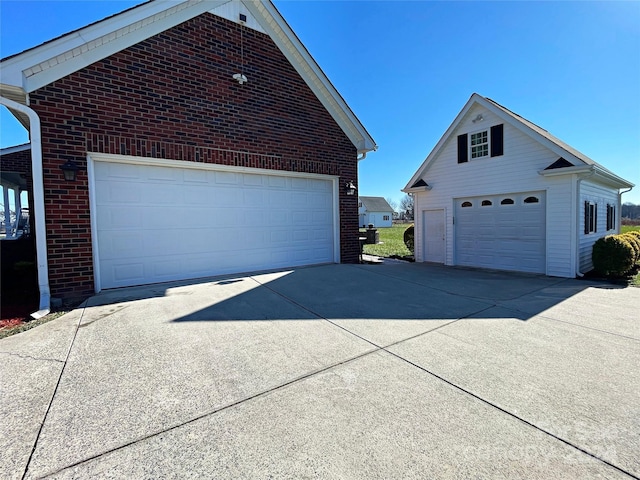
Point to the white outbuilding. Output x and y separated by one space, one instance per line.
499 192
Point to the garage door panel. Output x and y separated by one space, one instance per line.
509 237
160 223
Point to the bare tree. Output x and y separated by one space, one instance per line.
392 203
406 206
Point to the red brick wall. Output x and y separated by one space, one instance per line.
173 96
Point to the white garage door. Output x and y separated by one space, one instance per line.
505 232
159 223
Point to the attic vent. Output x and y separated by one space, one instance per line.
560 163
243 17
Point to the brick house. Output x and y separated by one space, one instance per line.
184 169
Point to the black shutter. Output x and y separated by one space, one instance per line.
586 217
497 140
463 152
595 217
613 217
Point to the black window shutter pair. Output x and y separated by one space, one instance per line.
497 143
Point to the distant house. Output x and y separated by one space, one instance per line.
498 191
178 140
376 211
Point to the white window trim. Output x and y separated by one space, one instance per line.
469 146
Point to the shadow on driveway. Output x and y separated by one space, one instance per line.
395 291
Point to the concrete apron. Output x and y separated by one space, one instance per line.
400 370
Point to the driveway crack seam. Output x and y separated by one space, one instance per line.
29 357
513 415
213 412
551 319
55 391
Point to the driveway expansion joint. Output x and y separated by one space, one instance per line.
515 416
210 413
53 395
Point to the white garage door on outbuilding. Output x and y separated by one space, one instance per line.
505 232
157 220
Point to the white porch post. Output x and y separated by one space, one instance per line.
7 210
18 208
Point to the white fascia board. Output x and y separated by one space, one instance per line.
286 40
15 148
507 118
59 58
598 173
443 139
416 189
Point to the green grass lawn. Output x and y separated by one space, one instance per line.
629 228
391 242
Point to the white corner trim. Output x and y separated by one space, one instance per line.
93 205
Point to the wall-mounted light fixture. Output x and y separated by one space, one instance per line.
70 170
350 188
478 118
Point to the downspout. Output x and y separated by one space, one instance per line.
364 155
578 212
38 200
619 212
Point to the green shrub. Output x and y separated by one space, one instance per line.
612 255
409 237
634 241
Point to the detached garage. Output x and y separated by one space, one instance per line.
499 192
199 138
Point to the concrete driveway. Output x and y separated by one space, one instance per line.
338 371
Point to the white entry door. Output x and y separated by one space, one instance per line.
433 234
156 223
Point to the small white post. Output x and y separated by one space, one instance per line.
7 210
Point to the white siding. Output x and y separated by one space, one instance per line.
377 219
601 196
515 171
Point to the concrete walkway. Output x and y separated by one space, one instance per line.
339 371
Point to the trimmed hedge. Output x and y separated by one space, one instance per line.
613 255
634 241
409 235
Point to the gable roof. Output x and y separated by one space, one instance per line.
571 157
36 67
376 204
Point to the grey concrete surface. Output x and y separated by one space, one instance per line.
337 371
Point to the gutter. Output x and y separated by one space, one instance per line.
38 200
619 213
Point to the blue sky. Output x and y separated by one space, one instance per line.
407 68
